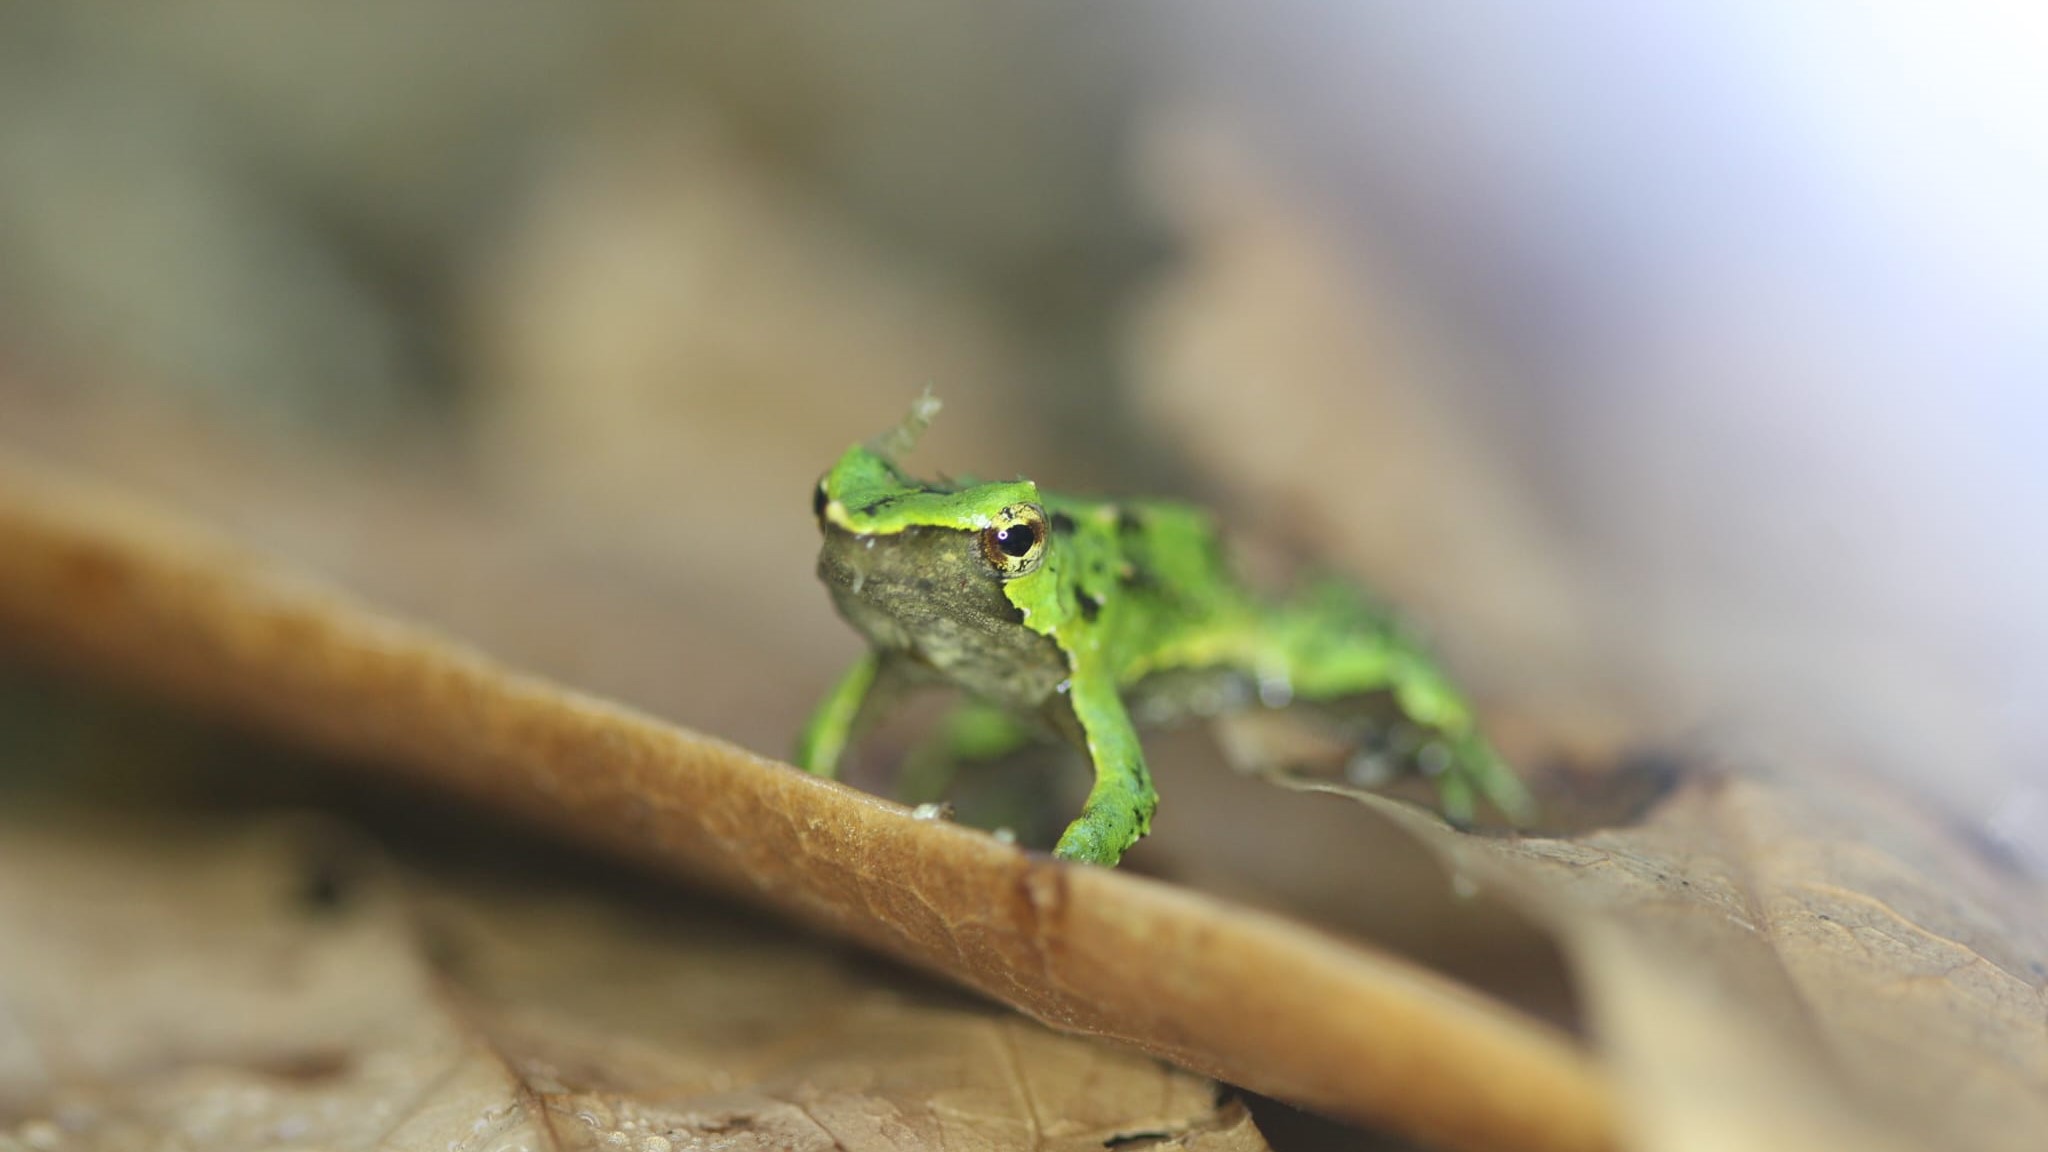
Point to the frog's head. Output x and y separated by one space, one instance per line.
913 564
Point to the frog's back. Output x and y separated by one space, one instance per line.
1150 580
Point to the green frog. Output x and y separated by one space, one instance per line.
1070 617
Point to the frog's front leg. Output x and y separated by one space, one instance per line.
1119 807
838 716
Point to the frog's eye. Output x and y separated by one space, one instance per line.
818 501
1015 544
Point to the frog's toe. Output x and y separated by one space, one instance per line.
1481 773
1081 846
1098 837
1455 799
1507 793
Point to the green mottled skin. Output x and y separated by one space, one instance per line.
1115 601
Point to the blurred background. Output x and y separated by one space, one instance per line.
1681 372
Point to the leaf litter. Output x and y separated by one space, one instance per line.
94 581
169 983
1768 959
1788 961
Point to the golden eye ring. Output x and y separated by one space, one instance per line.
1014 544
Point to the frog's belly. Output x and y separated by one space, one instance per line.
1189 693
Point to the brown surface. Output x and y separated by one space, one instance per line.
1222 990
1779 961
192 982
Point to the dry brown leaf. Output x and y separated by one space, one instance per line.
170 984
1779 961
1226 991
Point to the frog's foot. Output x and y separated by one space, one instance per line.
1468 770
1103 834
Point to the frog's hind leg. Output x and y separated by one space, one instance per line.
1331 645
972 731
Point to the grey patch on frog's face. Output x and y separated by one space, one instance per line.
929 594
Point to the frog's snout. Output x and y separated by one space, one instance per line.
847 561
